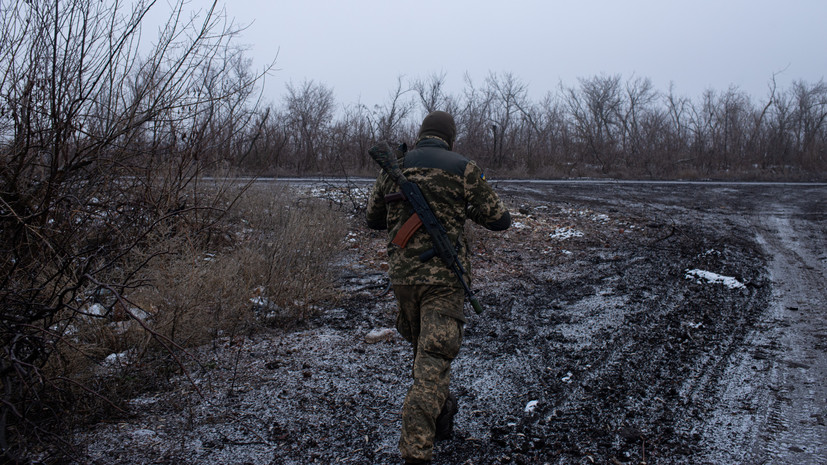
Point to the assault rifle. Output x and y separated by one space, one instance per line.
386 158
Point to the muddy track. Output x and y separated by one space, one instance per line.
627 354
779 414
599 345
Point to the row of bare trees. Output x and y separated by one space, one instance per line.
603 126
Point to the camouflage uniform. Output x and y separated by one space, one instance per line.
429 294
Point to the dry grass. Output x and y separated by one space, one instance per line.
267 261
272 256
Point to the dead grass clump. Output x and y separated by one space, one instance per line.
268 262
290 245
276 269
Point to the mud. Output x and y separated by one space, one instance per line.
597 345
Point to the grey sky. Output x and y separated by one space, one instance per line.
360 47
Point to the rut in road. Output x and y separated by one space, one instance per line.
800 373
773 395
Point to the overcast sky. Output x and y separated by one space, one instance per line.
359 47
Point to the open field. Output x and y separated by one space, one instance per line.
625 323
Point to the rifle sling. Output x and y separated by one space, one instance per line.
407 231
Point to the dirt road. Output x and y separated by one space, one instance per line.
766 398
773 398
625 323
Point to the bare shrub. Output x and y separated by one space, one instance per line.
267 261
101 153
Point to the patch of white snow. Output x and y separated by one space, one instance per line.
565 232
702 276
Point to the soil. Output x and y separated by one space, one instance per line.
656 323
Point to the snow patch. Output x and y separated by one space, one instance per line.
96 310
143 433
119 359
378 335
702 276
565 232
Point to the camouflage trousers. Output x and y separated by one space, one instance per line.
430 318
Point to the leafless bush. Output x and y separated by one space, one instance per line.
267 262
101 152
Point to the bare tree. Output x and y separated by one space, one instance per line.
101 147
809 122
555 151
595 108
389 117
474 128
271 147
355 136
677 133
778 133
637 109
510 96
309 112
431 93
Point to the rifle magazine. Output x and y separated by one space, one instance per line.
407 231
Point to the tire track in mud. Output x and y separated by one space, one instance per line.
623 355
780 413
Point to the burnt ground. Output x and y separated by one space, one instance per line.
601 342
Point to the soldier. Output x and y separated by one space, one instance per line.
429 295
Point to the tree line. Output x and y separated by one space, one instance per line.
604 126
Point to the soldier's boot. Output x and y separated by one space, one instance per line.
445 420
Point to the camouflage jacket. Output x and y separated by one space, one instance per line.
456 190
